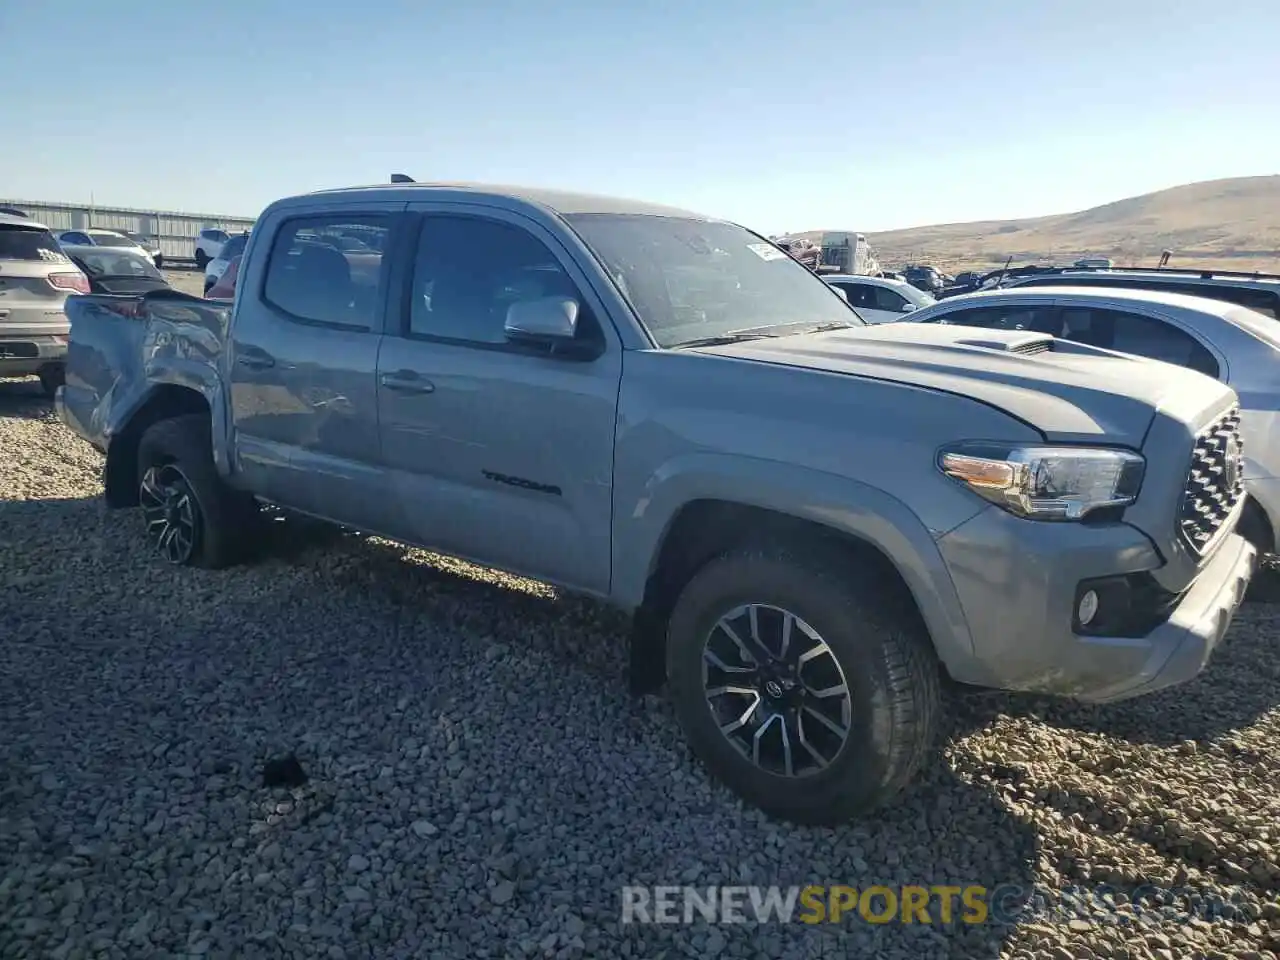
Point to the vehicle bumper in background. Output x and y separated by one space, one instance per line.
1267 494
24 355
1019 584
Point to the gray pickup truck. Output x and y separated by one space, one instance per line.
814 522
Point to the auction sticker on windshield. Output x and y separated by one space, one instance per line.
766 251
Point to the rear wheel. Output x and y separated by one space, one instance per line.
202 259
51 378
159 262
809 694
191 517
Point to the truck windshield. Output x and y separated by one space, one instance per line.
694 280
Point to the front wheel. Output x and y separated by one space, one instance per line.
191 517
202 259
809 694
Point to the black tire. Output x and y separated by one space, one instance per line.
177 455
888 666
1254 526
52 377
202 259
159 262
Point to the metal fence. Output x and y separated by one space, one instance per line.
174 232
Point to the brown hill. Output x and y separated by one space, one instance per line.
1229 224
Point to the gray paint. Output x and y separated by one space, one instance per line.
841 428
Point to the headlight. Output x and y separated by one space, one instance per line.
1046 483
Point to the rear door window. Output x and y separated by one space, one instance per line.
1139 335
24 243
312 279
233 248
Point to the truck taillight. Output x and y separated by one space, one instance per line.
76 281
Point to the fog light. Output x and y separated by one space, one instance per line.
1088 608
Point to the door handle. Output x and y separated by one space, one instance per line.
406 381
255 359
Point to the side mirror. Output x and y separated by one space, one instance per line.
908 307
840 293
545 320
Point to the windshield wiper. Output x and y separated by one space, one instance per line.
719 340
820 328
770 331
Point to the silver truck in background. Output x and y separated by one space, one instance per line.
813 521
847 253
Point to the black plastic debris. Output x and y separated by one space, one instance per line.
283 772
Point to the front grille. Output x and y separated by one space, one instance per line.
1215 482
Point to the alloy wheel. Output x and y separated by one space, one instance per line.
171 513
776 690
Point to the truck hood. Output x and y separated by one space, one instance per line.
1070 392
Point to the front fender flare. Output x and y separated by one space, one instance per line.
844 505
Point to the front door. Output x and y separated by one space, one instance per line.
863 299
303 377
499 452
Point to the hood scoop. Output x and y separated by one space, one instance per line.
1032 343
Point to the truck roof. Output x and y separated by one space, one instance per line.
557 201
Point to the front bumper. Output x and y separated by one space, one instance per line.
1017 581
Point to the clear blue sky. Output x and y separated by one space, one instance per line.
782 115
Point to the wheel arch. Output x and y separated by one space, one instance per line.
861 525
163 402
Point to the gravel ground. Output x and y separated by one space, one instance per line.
481 785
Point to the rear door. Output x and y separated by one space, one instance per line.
303 358
35 278
500 453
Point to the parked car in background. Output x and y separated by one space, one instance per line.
966 282
229 251
116 270
152 247
96 237
1257 291
209 243
925 278
13 211
36 277
812 520
1230 343
225 288
878 299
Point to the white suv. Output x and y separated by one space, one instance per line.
209 243
216 267
879 299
